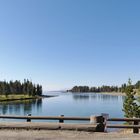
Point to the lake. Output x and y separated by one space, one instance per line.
68 104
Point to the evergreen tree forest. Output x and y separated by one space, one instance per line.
94 89
105 88
18 88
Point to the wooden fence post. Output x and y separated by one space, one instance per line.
61 120
99 121
136 130
29 120
106 117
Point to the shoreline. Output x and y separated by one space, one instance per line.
27 98
105 93
116 94
108 93
113 93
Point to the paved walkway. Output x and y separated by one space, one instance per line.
63 135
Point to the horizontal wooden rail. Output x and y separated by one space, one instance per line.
65 118
122 126
124 119
45 118
48 126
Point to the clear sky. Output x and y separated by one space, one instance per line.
62 43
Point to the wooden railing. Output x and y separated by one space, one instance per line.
132 123
59 118
101 122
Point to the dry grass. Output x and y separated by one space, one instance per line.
14 97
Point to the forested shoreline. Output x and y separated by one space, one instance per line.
20 88
104 88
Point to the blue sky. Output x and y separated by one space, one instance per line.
62 43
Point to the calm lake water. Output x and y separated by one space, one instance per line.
68 104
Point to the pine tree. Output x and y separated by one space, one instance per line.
17 88
130 106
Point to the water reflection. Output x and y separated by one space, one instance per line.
94 96
107 97
80 96
21 107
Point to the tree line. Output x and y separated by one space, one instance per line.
18 88
94 89
104 88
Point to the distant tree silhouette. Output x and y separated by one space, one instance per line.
17 87
95 89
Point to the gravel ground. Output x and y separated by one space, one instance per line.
64 135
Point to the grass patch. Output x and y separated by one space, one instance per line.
15 97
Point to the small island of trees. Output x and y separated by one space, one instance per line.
17 89
105 88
